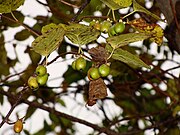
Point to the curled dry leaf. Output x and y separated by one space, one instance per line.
99 54
97 90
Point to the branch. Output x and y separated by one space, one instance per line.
17 100
22 24
80 10
59 114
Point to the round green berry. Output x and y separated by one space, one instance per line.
74 65
119 27
94 73
42 79
111 31
32 83
80 63
41 70
105 25
104 70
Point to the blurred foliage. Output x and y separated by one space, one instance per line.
149 95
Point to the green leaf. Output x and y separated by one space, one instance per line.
117 4
19 16
127 57
3 54
81 34
29 112
176 110
22 35
47 28
60 101
48 41
125 39
6 6
138 8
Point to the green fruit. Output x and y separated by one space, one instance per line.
92 23
74 65
41 70
80 63
94 73
42 79
119 27
32 83
111 31
104 70
105 25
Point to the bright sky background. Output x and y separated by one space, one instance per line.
32 8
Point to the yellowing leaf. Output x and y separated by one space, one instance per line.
117 4
154 30
81 34
125 39
127 57
49 41
6 6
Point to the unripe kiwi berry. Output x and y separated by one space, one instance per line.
41 70
32 83
105 25
93 73
119 27
104 70
42 79
80 63
111 31
74 65
18 126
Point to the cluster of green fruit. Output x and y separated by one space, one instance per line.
97 72
94 72
39 78
107 27
79 64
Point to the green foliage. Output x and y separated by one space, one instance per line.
48 41
117 4
125 39
8 23
7 6
127 57
138 8
22 35
81 34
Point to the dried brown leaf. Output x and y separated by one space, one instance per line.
97 90
99 54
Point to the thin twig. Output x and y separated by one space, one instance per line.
21 24
175 17
93 17
69 4
18 99
80 10
59 56
60 114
